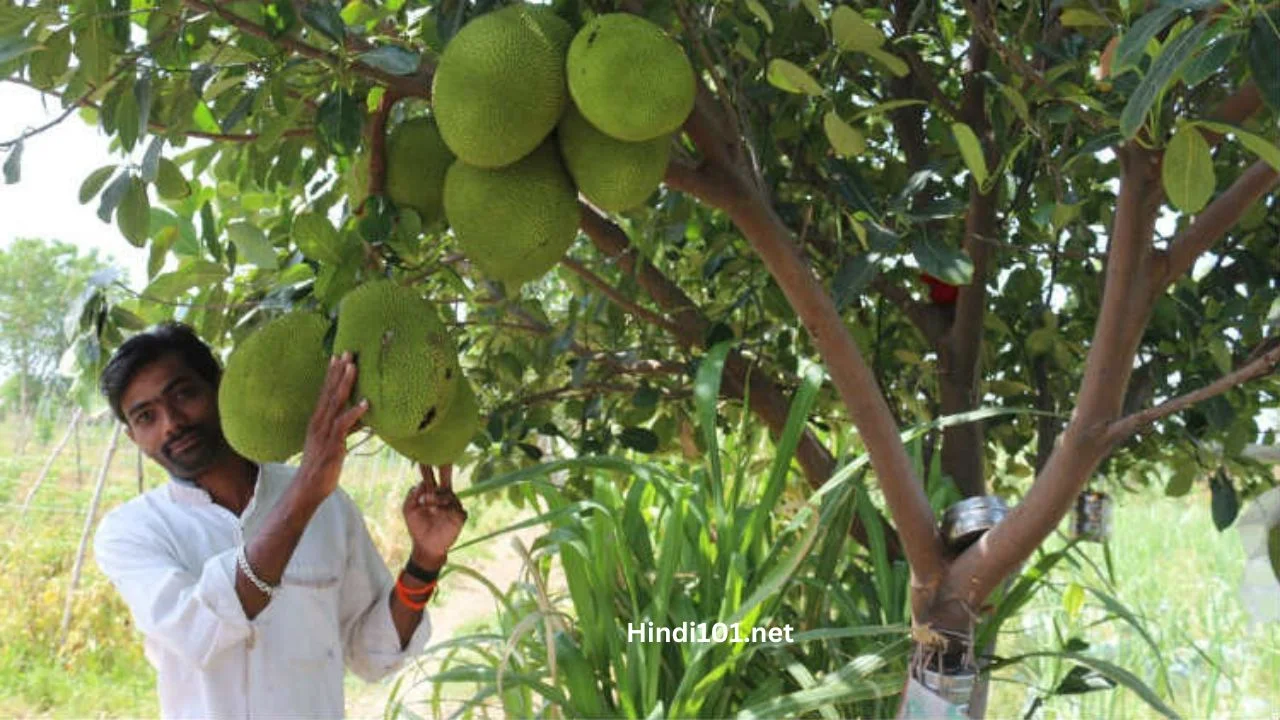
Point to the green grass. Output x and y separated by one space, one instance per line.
101 670
1180 576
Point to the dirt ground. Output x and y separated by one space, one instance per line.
468 601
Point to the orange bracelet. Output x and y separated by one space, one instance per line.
405 594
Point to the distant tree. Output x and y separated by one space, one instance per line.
39 280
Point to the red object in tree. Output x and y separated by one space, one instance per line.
940 293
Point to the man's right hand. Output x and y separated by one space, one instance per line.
332 421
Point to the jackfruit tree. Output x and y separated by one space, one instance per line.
1041 235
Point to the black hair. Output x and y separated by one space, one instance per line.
147 347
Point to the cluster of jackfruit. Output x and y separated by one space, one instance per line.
526 114
420 402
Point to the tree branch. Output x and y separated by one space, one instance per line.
1235 110
1213 222
156 127
753 214
1126 306
378 145
618 298
1264 364
409 86
742 379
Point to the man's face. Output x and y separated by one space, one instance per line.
172 414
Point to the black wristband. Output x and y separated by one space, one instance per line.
416 571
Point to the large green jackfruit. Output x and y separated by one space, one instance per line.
445 442
516 222
417 160
499 88
269 388
405 359
613 174
629 78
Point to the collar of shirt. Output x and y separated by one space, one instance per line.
187 492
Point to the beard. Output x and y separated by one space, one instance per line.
202 446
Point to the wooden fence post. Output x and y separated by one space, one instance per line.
84 536
44 471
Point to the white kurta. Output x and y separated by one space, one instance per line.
171 553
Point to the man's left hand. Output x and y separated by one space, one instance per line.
434 515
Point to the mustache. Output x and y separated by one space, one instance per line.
183 437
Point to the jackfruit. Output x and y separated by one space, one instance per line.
516 222
629 78
444 443
499 88
417 160
614 175
405 359
556 28
270 387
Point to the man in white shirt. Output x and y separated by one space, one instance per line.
256 586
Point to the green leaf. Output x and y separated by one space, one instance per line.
1210 61
1111 670
971 151
1080 679
1258 145
252 244
392 59
112 195
853 33
48 65
339 122
92 184
639 439
1073 600
1018 102
142 98
279 17
170 183
151 159
13 164
942 261
1184 474
1264 49
1187 170
854 275
1079 18
202 118
1224 503
706 395
894 64
1133 44
792 78
317 239
133 216
1163 70
761 14
197 273
15 47
324 16
844 138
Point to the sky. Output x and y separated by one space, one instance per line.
43 203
